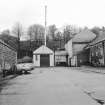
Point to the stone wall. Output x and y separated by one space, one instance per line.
8 56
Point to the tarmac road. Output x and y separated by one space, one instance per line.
54 86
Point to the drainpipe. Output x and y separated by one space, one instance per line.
54 54
103 45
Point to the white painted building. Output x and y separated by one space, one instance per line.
43 57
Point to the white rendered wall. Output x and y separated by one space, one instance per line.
52 60
36 61
68 48
74 61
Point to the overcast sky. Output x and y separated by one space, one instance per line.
60 12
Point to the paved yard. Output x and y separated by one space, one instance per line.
55 86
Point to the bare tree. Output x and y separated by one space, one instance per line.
36 32
69 32
18 32
30 34
51 32
58 35
96 30
6 32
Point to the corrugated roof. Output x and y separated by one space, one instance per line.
61 53
84 36
43 50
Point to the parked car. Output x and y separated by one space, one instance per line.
25 67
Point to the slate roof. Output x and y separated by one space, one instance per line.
77 48
9 41
43 50
100 38
2 42
84 36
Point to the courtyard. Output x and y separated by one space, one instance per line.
55 86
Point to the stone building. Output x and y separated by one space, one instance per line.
97 50
8 56
78 55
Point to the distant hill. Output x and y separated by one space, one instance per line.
26 46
